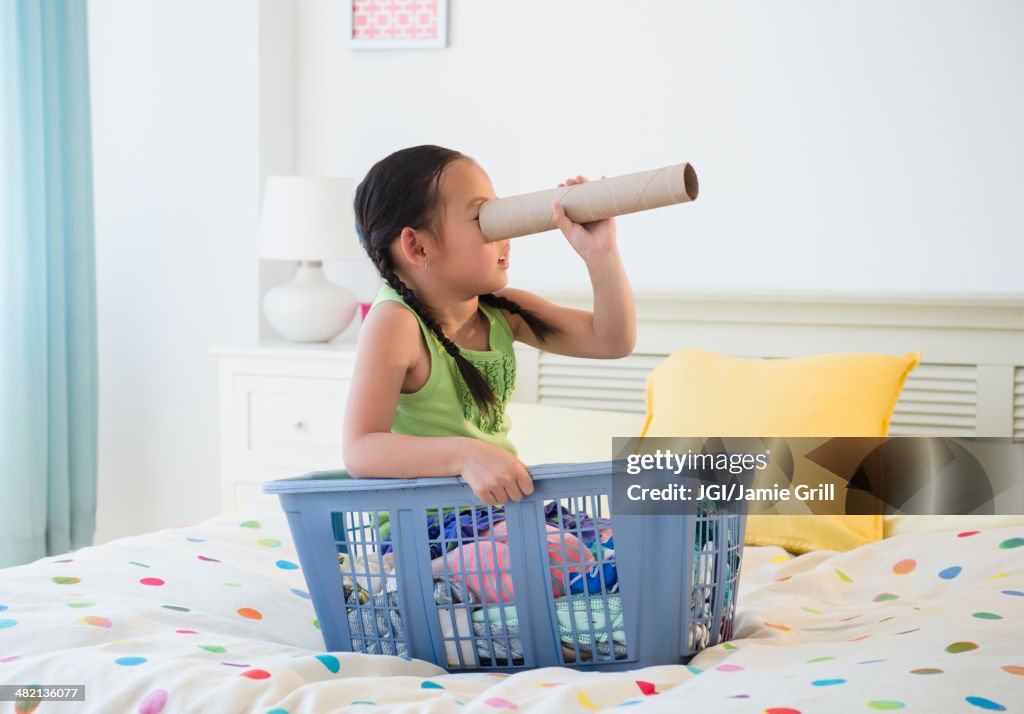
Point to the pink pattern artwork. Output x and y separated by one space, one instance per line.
395 19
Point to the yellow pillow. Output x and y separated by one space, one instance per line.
698 393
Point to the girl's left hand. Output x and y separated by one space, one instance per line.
587 239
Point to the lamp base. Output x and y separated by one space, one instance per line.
310 308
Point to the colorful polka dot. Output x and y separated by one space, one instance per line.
776 559
647 688
315 623
216 649
206 559
427 684
177 608
196 540
812 610
694 670
5 624
256 674
250 613
1015 593
130 661
907 632
233 664
330 662
883 597
926 670
819 659
81 604
269 542
885 705
286 565
783 628
1014 669
301 593
152 582
499 703
65 580
872 661
843 576
2 608
827 682
250 524
141 565
12 658
1011 543
950 572
278 711
585 702
958 647
967 534
729 668
987 616
154 702
781 710
904 566
26 706
95 621
988 704
232 585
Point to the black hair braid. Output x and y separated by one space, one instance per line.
479 388
539 327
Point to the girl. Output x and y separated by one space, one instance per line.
435 364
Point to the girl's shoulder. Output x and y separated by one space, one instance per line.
391 326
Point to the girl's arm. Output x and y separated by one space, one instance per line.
389 347
607 332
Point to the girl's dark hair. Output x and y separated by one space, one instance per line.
403 190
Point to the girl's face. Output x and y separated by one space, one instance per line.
464 260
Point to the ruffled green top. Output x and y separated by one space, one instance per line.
444 405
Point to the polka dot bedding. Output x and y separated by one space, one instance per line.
215 618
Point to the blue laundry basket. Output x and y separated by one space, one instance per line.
544 593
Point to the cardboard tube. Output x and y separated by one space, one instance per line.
527 213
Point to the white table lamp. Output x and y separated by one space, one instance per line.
309 220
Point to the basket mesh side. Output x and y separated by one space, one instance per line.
472 567
584 580
716 564
369 585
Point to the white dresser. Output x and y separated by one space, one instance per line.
282 407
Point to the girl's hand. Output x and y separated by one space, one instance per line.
495 475
587 239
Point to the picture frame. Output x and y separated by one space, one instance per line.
396 24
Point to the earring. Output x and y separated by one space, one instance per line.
426 263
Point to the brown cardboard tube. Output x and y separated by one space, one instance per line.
527 213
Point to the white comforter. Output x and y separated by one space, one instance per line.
215 618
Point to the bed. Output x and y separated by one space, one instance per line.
215 617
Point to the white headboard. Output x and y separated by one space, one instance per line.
970 381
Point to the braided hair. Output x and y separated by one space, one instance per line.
403 189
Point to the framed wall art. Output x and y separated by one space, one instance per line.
396 24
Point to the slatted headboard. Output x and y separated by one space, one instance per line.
970 381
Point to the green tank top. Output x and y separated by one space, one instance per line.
444 406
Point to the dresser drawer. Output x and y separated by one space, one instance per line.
293 422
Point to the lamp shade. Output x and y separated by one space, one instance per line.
308 218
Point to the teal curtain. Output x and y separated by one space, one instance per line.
48 360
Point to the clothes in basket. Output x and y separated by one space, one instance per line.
485 565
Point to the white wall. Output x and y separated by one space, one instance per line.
844 145
175 146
